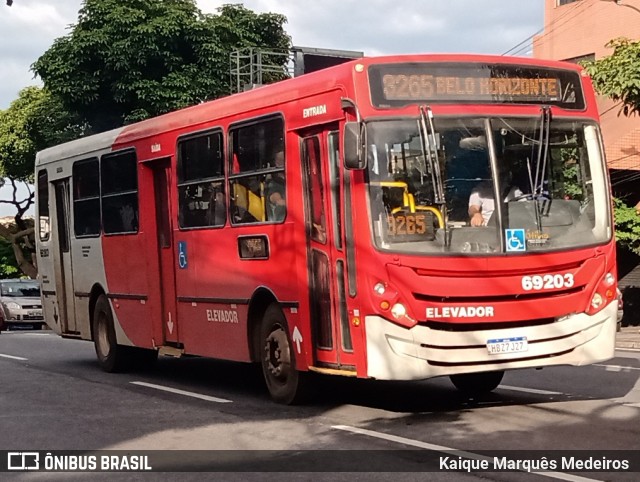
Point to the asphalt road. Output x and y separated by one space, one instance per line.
54 397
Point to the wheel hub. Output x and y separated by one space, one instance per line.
276 353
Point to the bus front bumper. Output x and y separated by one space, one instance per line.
397 353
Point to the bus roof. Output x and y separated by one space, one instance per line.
259 98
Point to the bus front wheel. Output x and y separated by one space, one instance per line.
477 383
284 382
111 356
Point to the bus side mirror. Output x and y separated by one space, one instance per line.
353 146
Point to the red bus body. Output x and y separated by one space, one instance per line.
205 290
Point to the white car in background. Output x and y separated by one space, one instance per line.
20 304
620 309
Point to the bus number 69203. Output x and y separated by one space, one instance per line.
547 282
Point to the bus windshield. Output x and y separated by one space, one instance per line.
433 185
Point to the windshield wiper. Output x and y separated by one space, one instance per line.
541 162
543 151
430 150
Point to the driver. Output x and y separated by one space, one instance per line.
481 201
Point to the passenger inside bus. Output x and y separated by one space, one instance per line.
514 177
128 217
216 213
482 202
275 190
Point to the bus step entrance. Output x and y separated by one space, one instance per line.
170 351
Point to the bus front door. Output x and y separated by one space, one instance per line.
63 259
325 254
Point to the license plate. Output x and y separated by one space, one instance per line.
499 346
35 313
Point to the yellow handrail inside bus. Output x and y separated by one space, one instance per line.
248 200
409 202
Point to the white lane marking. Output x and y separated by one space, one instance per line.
452 451
529 390
25 333
615 368
182 392
13 357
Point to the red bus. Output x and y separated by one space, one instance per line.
343 222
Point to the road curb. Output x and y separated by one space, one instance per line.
628 338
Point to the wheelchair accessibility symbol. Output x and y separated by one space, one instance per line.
515 240
182 254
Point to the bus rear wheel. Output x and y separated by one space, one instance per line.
111 356
284 382
477 383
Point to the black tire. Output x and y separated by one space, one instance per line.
284 382
477 383
111 356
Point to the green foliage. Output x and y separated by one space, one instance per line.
567 180
126 61
32 122
618 76
17 149
572 186
627 226
8 264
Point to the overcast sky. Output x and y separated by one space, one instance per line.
28 28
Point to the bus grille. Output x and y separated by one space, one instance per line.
497 298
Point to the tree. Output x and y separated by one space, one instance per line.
34 121
618 75
627 226
126 61
19 241
8 265
122 62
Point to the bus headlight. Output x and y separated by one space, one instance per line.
379 288
609 279
596 301
604 294
391 304
398 311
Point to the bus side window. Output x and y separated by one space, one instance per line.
201 187
257 178
119 192
86 197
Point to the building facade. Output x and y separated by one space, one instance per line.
576 30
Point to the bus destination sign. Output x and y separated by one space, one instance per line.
395 85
